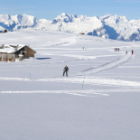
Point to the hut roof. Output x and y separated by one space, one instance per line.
12 48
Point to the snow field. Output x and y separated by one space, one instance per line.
99 100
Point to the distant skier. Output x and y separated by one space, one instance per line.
132 52
66 69
126 52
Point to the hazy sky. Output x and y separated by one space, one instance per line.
49 9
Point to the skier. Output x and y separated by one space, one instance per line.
66 69
132 52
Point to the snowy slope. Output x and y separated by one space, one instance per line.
102 103
112 27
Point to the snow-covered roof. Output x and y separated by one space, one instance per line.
11 48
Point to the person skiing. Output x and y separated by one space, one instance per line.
132 52
66 69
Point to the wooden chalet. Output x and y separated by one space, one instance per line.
15 52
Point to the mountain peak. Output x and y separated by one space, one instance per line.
66 18
105 16
107 26
63 14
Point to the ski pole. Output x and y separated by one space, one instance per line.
83 82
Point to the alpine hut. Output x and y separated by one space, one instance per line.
15 52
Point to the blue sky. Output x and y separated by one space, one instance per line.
49 9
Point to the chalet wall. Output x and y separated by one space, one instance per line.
7 57
25 51
29 52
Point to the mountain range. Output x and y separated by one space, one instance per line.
108 26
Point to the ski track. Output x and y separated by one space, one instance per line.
89 81
83 57
83 93
109 65
94 81
64 42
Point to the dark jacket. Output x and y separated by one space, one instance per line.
66 69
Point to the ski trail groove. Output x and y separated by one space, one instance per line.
84 93
106 66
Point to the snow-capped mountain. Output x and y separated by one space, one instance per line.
112 27
17 22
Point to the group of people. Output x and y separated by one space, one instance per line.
131 52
